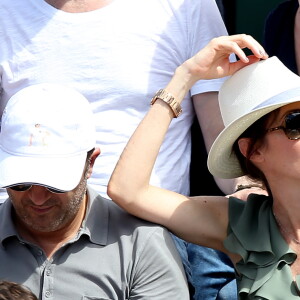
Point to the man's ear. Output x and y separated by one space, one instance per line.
92 160
256 156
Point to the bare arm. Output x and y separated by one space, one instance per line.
201 220
210 120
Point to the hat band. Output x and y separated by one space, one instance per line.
279 98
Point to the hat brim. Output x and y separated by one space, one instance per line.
62 173
222 162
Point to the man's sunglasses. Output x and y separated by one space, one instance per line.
26 187
291 126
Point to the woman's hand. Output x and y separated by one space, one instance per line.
213 60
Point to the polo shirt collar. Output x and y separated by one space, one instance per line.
7 227
96 221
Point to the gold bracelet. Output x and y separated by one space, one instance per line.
169 99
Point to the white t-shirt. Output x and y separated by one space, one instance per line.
118 57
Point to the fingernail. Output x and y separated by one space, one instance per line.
263 53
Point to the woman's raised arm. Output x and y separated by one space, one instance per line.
202 220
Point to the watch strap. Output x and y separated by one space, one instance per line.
169 99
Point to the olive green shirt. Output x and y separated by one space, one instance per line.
264 271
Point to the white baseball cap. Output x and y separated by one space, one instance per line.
46 132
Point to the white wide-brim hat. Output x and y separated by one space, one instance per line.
245 97
46 132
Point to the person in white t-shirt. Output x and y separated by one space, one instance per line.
118 53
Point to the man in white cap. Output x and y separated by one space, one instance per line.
57 235
118 53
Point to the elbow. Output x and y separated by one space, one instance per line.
118 194
113 191
128 198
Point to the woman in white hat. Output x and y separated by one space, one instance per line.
260 105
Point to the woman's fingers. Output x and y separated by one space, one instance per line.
213 60
247 41
235 44
235 66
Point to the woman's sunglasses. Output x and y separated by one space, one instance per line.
26 187
291 126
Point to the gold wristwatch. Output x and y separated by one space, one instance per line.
169 99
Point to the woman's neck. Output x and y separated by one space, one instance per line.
288 220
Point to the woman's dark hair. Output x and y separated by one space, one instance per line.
255 133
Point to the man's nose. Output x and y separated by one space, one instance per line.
39 194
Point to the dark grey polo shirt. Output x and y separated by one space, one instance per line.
114 256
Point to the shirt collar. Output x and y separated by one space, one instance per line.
95 223
7 227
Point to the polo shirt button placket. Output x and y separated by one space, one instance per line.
47 294
48 281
